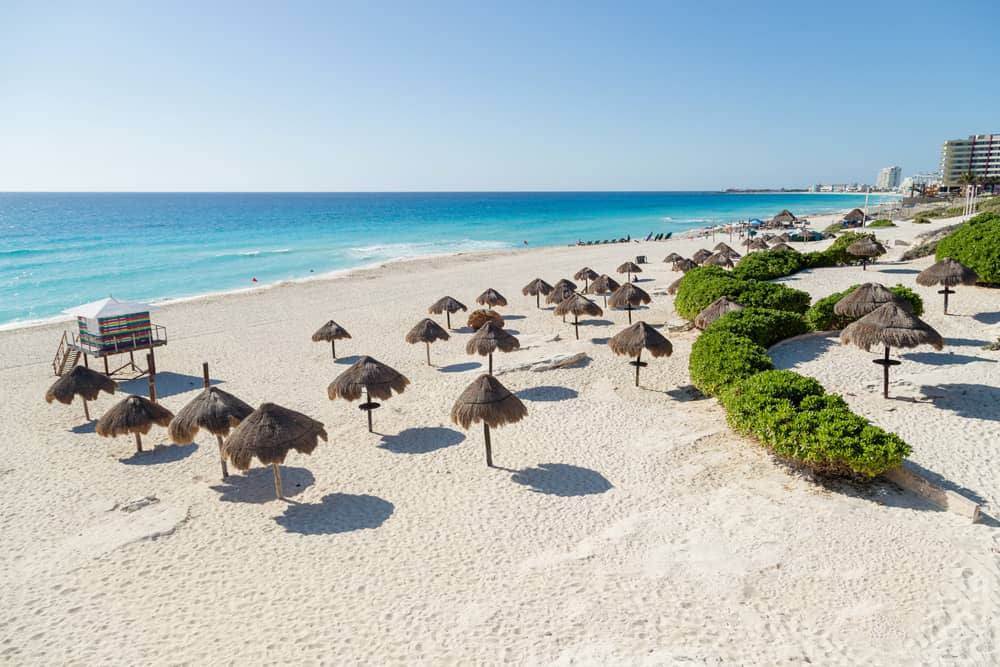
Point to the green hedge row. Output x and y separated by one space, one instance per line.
976 244
771 264
705 284
820 316
795 418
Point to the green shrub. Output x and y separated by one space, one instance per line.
792 416
705 284
881 223
764 326
719 359
770 264
820 316
976 244
921 220
837 255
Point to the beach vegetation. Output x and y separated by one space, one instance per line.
821 317
703 285
976 244
764 326
881 223
719 359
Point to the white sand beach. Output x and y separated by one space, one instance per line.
623 525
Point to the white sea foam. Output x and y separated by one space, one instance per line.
388 251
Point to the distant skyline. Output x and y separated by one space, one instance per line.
468 96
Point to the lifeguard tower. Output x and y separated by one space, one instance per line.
108 328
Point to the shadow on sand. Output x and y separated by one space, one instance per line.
978 401
87 427
547 393
336 513
168 383
347 361
460 368
686 393
160 454
257 485
560 479
421 440
944 358
987 318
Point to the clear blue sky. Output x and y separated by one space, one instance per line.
486 96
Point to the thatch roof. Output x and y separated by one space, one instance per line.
700 256
536 286
603 284
491 338
486 400
783 246
638 337
866 247
491 298
684 265
628 295
269 433
855 215
478 318
757 244
578 305
784 238
330 331
890 325
81 381
947 272
671 258
563 283
786 217
586 273
560 293
367 374
715 310
446 304
719 259
426 331
866 298
629 267
134 414
214 410
674 286
722 247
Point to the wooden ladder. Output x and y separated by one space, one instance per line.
65 359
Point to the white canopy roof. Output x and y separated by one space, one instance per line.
110 307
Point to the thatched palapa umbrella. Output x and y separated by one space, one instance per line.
562 290
671 258
867 249
684 265
700 256
786 217
491 298
478 318
488 340
82 382
628 296
331 332
674 286
866 298
136 415
564 283
719 259
604 285
537 288
586 274
447 305
370 376
640 336
784 237
947 272
629 268
489 402
714 311
269 433
890 325
578 305
756 244
855 215
783 246
214 410
723 247
426 331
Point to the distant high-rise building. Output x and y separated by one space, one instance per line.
888 178
979 154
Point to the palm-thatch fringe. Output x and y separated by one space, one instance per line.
576 306
714 311
891 325
560 293
446 304
214 410
269 433
487 401
684 265
478 318
329 332
674 286
82 382
491 338
491 298
867 298
631 341
586 274
426 331
947 272
700 256
783 246
135 415
671 258
719 259
367 375
536 287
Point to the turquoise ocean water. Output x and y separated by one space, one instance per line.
59 250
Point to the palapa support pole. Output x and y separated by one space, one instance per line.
447 317
629 307
489 448
427 343
368 399
638 365
152 376
138 443
538 300
885 363
205 375
491 364
222 458
864 264
946 291
86 411
107 371
333 348
277 481
576 325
